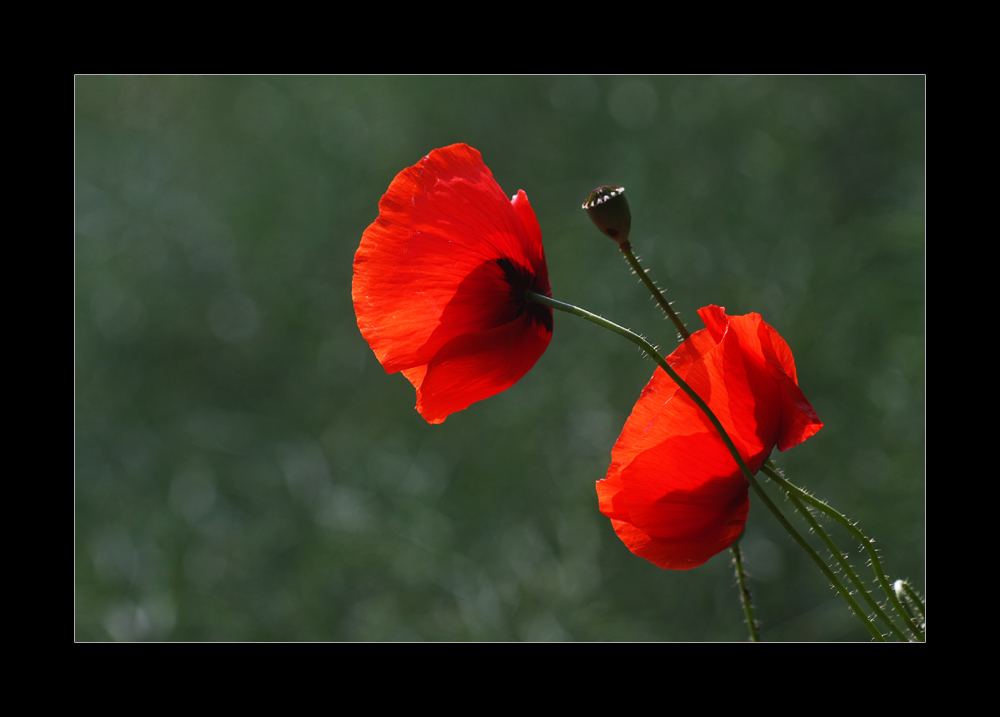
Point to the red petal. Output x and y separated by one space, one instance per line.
533 249
750 410
415 375
680 553
611 497
662 554
686 490
798 418
478 365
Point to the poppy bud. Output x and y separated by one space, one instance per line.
608 208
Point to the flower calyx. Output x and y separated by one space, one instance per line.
608 208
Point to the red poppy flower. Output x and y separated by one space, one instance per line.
673 492
439 282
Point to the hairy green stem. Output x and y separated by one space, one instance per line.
912 594
758 489
866 543
633 261
741 578
905 601
845 566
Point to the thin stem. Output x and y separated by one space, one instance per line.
905 601
804 544
633 261
655 355
912 594
741 578
866 542
845 566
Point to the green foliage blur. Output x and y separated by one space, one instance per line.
245 469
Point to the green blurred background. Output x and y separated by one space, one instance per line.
245 469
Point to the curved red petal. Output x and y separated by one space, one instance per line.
776 348
798 418
661 553
442 226
686 489
533 249
751 408
610 495
715 319
415 375
478 365
681 553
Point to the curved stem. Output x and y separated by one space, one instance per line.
866 542
904 598
804 544
741 578
633 261
845 566
912 594
655 355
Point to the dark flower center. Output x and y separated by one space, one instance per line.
520 281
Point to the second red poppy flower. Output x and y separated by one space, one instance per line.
673 492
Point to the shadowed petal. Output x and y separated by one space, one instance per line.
477 365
